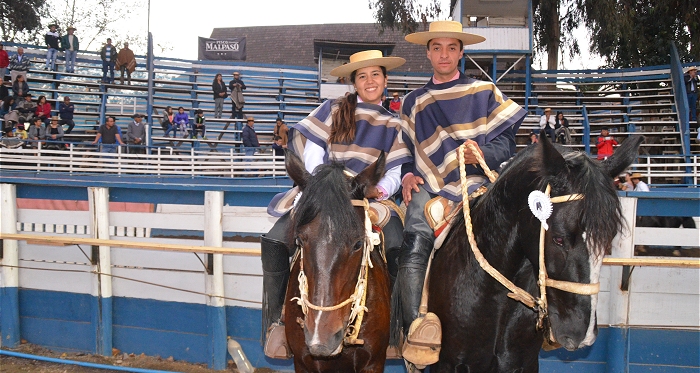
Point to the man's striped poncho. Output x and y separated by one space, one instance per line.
376 130
437 118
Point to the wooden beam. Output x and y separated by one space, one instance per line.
54 240
653 262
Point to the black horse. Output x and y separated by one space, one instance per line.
483 329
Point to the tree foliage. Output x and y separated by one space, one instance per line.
554 22
405 15
20 20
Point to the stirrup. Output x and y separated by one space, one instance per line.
424 340
276 342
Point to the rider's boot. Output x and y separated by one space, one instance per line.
423 340
275 263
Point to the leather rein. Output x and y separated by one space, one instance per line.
539 304
359 296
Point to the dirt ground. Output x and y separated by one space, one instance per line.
19 365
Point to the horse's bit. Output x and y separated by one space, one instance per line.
537 304
357 298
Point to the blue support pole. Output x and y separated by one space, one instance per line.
103 108
149 105
528 73
280 98
463 63
494 73
586 131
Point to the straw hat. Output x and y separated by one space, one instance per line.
636 175
549 109
691 68
444 29
71 28
366 59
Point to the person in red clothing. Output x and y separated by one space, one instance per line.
395 103
4 63
43 110
605 144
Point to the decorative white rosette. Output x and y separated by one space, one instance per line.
541 206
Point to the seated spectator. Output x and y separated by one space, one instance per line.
43 110
26 109
533 139
547 123
395 103
65 111
282 131
5 89
20 87
277 148
182 120
10 117
109 135
36 133
54 135
561 129
623 182
20 132
639 185
168 123
199 124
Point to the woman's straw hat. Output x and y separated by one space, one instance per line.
444 29
366 59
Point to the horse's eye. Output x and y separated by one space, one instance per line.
559 241
359 245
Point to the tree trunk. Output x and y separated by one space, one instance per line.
555 39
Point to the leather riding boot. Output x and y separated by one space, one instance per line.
423 332
275 263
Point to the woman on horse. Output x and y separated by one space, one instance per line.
354 130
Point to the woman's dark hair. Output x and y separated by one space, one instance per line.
216 76
180 108
38 100
167 109
7 102
343 125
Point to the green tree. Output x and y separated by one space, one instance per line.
20 20
405 15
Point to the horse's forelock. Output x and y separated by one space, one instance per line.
327 196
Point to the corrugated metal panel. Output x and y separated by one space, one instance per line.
500 38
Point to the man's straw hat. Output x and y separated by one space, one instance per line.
366 59
691 68
444 29
636 175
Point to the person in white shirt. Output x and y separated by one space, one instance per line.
547 123
639 185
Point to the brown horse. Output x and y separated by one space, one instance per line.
328 227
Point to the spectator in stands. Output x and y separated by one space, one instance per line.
561 129
36 133
109 57
51 38
54 135
277 147
692 87
26 109
220 94
10 117
21 132
4 63
136 135
109 136
236 86
65 111
250 138
533 139
385 102
70 45
624 182
5 89
199 124
19 64
282 131
43 110
168 123
20 87
395 103
605 144
639 185
126 61
547 123
182 120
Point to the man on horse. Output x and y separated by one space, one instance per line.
449 110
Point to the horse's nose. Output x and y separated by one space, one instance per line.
321 350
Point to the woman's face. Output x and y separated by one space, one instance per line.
180 111
42 100
560 116
370 83
218 76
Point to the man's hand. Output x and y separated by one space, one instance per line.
469 157
410 184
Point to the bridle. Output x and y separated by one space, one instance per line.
539 304
359 296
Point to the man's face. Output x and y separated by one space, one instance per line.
693 73
66 100
109 41
126 45
27 98
70 31
110 122
251 123
635 181
604 132
138 119
236 76
53 28
20 51
444 55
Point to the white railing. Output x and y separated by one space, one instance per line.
162 162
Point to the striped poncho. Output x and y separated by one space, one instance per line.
376 130
437 118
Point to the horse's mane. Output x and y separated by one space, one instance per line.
327 196
601 215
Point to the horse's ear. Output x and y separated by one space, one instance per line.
553 161
624 156
295 168
371 175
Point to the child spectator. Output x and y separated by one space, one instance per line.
168 123
43 110
605 144
20 132
561 129
199 124
277 148
182 120
9 115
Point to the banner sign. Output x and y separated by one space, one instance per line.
222 49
